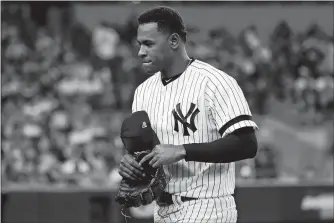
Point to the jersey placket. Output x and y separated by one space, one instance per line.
164 110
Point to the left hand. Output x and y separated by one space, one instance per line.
164 154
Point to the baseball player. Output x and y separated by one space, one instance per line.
202 119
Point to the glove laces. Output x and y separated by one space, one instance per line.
125 216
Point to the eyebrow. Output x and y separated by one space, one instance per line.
145 41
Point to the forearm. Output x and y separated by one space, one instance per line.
240 145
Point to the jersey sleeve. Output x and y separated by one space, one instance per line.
228 105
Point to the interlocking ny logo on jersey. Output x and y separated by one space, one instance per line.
179 117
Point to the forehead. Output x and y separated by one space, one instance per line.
148 31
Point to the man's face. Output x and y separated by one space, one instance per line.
154 48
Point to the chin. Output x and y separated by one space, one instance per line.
150 70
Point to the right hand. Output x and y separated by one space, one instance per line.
130 168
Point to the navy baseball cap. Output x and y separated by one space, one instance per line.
137 133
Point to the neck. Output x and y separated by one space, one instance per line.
177 65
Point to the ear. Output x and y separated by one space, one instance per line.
174 40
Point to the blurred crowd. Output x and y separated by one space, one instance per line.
291 67
64 95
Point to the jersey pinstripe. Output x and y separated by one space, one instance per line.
222 108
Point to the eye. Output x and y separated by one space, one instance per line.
148 43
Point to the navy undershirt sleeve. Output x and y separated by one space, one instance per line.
240 144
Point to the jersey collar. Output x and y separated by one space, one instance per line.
170 80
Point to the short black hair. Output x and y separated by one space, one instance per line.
166 18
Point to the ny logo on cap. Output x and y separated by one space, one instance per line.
179 117
144 125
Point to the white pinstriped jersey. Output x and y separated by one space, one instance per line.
202 105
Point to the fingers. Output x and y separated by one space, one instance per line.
127 174
156 164
133 163
130 173
146 157
153 160
130 169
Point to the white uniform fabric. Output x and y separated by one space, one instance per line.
211 210
202 105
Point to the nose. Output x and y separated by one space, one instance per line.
142 51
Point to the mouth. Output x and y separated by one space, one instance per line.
147 63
